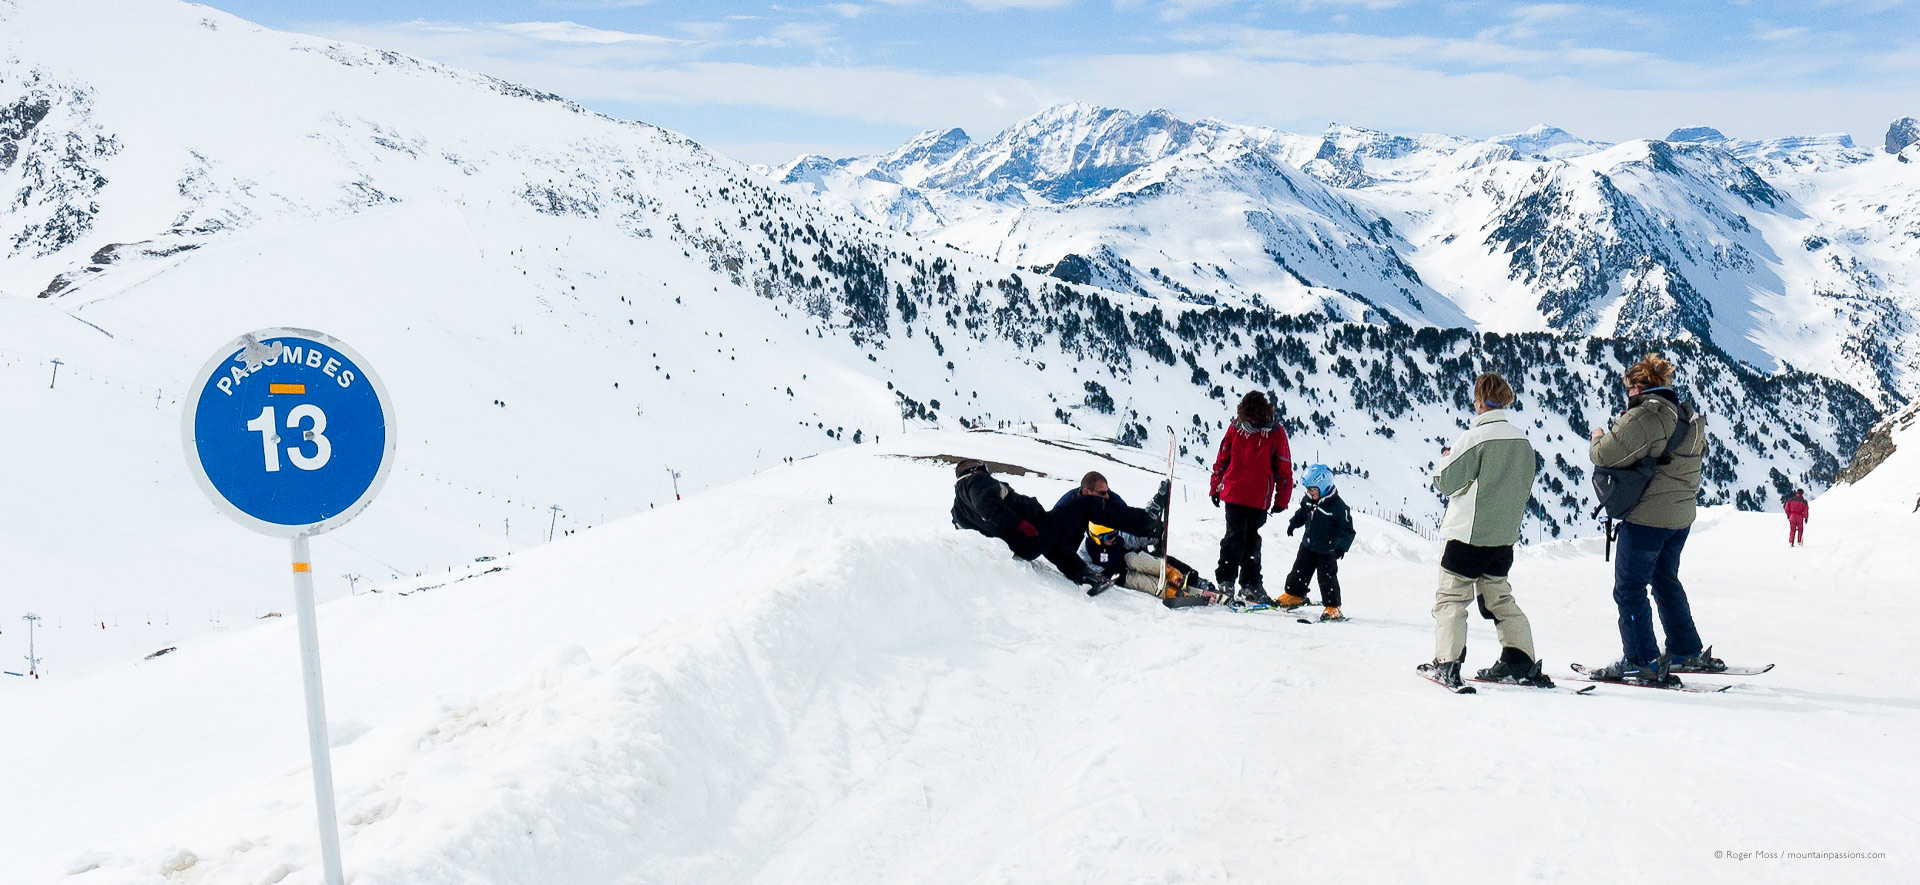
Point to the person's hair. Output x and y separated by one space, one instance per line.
1651 371
1093 478
1255 409
969 465
1492 390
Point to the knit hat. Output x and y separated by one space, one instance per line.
1317 476
969 465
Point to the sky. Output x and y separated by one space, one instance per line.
766 82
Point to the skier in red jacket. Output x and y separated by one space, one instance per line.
1797 519
1252 477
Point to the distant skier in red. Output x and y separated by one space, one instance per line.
1797 519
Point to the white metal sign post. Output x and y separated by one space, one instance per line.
290 433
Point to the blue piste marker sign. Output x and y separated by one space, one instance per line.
289 432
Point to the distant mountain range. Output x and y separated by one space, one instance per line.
1796 251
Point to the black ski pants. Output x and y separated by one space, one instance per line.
1305 565
1240 549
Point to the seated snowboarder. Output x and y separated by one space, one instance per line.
994 509
1329 535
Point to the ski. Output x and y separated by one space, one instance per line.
1102 587
1564 689
1464 689
1581 672
1730 671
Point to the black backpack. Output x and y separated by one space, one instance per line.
964 516
1619 489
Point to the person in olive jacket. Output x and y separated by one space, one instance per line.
994 509
1654 534
1329 524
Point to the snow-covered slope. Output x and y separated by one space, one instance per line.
1783 252
858 692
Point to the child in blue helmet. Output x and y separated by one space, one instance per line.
1329 524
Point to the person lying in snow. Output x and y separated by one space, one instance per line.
992 508
1329 524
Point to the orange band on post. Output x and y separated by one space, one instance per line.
286 388
303 566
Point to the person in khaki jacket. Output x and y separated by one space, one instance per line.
1487 475
1654 533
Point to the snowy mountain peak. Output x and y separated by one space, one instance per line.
1696 133
1903 132
806 167
920 156
1063 152
1547 142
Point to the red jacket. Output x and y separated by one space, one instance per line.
1254 468
1796 510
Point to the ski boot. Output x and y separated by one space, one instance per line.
1332 613
1515 668
1289 602
1698 662
1654 673
1254 594
1447 674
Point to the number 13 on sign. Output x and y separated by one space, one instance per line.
317 435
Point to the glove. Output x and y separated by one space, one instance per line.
1278 508
1026 528
1290 529
1216 499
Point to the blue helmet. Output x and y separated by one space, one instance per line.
1317 476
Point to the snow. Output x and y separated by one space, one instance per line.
756 685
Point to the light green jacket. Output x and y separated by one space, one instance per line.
1487 477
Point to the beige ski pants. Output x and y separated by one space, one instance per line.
1143 573
1496 598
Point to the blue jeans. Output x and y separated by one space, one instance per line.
1648 556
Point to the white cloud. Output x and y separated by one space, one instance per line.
1288 79
568 32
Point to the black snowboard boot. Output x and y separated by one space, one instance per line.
1654 673
1254 594
1515 668
1698 662
1447 674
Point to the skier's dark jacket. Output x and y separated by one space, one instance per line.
1329 524
1110 558
994 509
